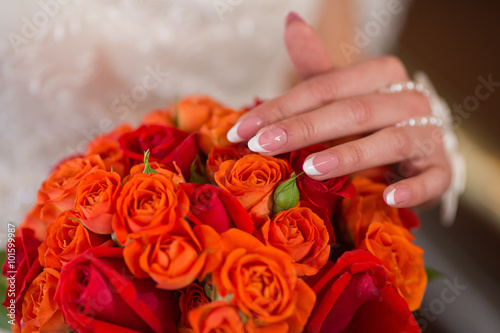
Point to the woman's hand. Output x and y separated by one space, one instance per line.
333 103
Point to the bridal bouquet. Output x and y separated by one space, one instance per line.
169 227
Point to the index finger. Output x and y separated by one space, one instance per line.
357 79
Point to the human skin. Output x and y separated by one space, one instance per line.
333 102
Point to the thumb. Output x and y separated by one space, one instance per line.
306 50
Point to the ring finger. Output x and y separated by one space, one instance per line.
384 147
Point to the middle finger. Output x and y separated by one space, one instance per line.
346 117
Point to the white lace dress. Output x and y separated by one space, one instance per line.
71 70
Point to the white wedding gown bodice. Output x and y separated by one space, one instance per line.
71 70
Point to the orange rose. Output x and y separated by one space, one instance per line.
302 234
147 202
96 200
58 192
192 297
194 111
175 257
222 154
366 207
108 148
40 311
198 113
252 179
216 317
402 260
262 283
66 238
189 114
159 117
63 181
214 132
176 177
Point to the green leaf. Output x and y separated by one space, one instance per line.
208 290
243 316
77 220
3 257
433 274
147 168
286 195
219 297
198 177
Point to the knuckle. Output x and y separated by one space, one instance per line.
308 130
322 89
280 109
359 109
357 155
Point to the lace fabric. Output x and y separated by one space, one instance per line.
71 70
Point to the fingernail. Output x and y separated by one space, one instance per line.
245 129
268 141
397 196
292 16
320 164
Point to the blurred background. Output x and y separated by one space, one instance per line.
457 43
66 69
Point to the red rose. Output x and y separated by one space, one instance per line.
353 296
192 297
216 207
166 145
97 293
323 192
320 196
27 268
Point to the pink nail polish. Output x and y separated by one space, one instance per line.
245 129
398 196
320 164
249 127
273 139
292 16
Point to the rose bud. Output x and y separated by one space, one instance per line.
286 195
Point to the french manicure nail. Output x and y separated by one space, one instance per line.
268 141
292 16
245 129
320 164
397 196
